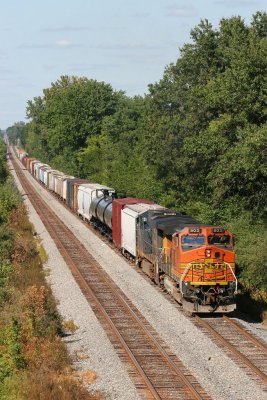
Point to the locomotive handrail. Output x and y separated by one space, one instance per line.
231 269
189 265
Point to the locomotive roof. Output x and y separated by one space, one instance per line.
174 223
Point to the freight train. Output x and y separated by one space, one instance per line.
194 262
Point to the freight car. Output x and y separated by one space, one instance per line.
194 262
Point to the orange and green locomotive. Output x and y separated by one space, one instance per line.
193 261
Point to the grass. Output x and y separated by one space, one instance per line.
34 362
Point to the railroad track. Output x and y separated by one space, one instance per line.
242 346
156 372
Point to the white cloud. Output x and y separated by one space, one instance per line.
63 43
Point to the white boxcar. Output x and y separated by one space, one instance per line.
50 178
42 172
129 216
46 175
36 168
83 198
39 173
60 185
86 193
52 182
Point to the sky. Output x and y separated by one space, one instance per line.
126 43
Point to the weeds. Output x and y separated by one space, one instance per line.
70 326
33 358
34 363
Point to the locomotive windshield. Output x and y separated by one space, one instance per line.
219 240
189 241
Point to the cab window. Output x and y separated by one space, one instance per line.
192 241
219 240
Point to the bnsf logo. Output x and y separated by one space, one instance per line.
199 267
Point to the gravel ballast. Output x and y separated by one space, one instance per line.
89 344
214 370
256 328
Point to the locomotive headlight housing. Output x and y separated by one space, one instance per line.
208 253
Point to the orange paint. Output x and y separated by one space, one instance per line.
202 264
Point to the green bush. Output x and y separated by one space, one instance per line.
6 269
251 251
9 199
7 237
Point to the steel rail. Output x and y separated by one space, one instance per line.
85 289
84 285
82 282
245 333
232 348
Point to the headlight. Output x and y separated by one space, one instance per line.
208 253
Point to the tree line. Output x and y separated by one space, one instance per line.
196 142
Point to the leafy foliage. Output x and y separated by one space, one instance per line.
69 112
3 167
195 142
16 133
9 199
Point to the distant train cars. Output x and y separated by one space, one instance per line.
193 261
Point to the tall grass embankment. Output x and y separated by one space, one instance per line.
34 361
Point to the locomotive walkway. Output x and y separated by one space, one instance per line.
156 372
